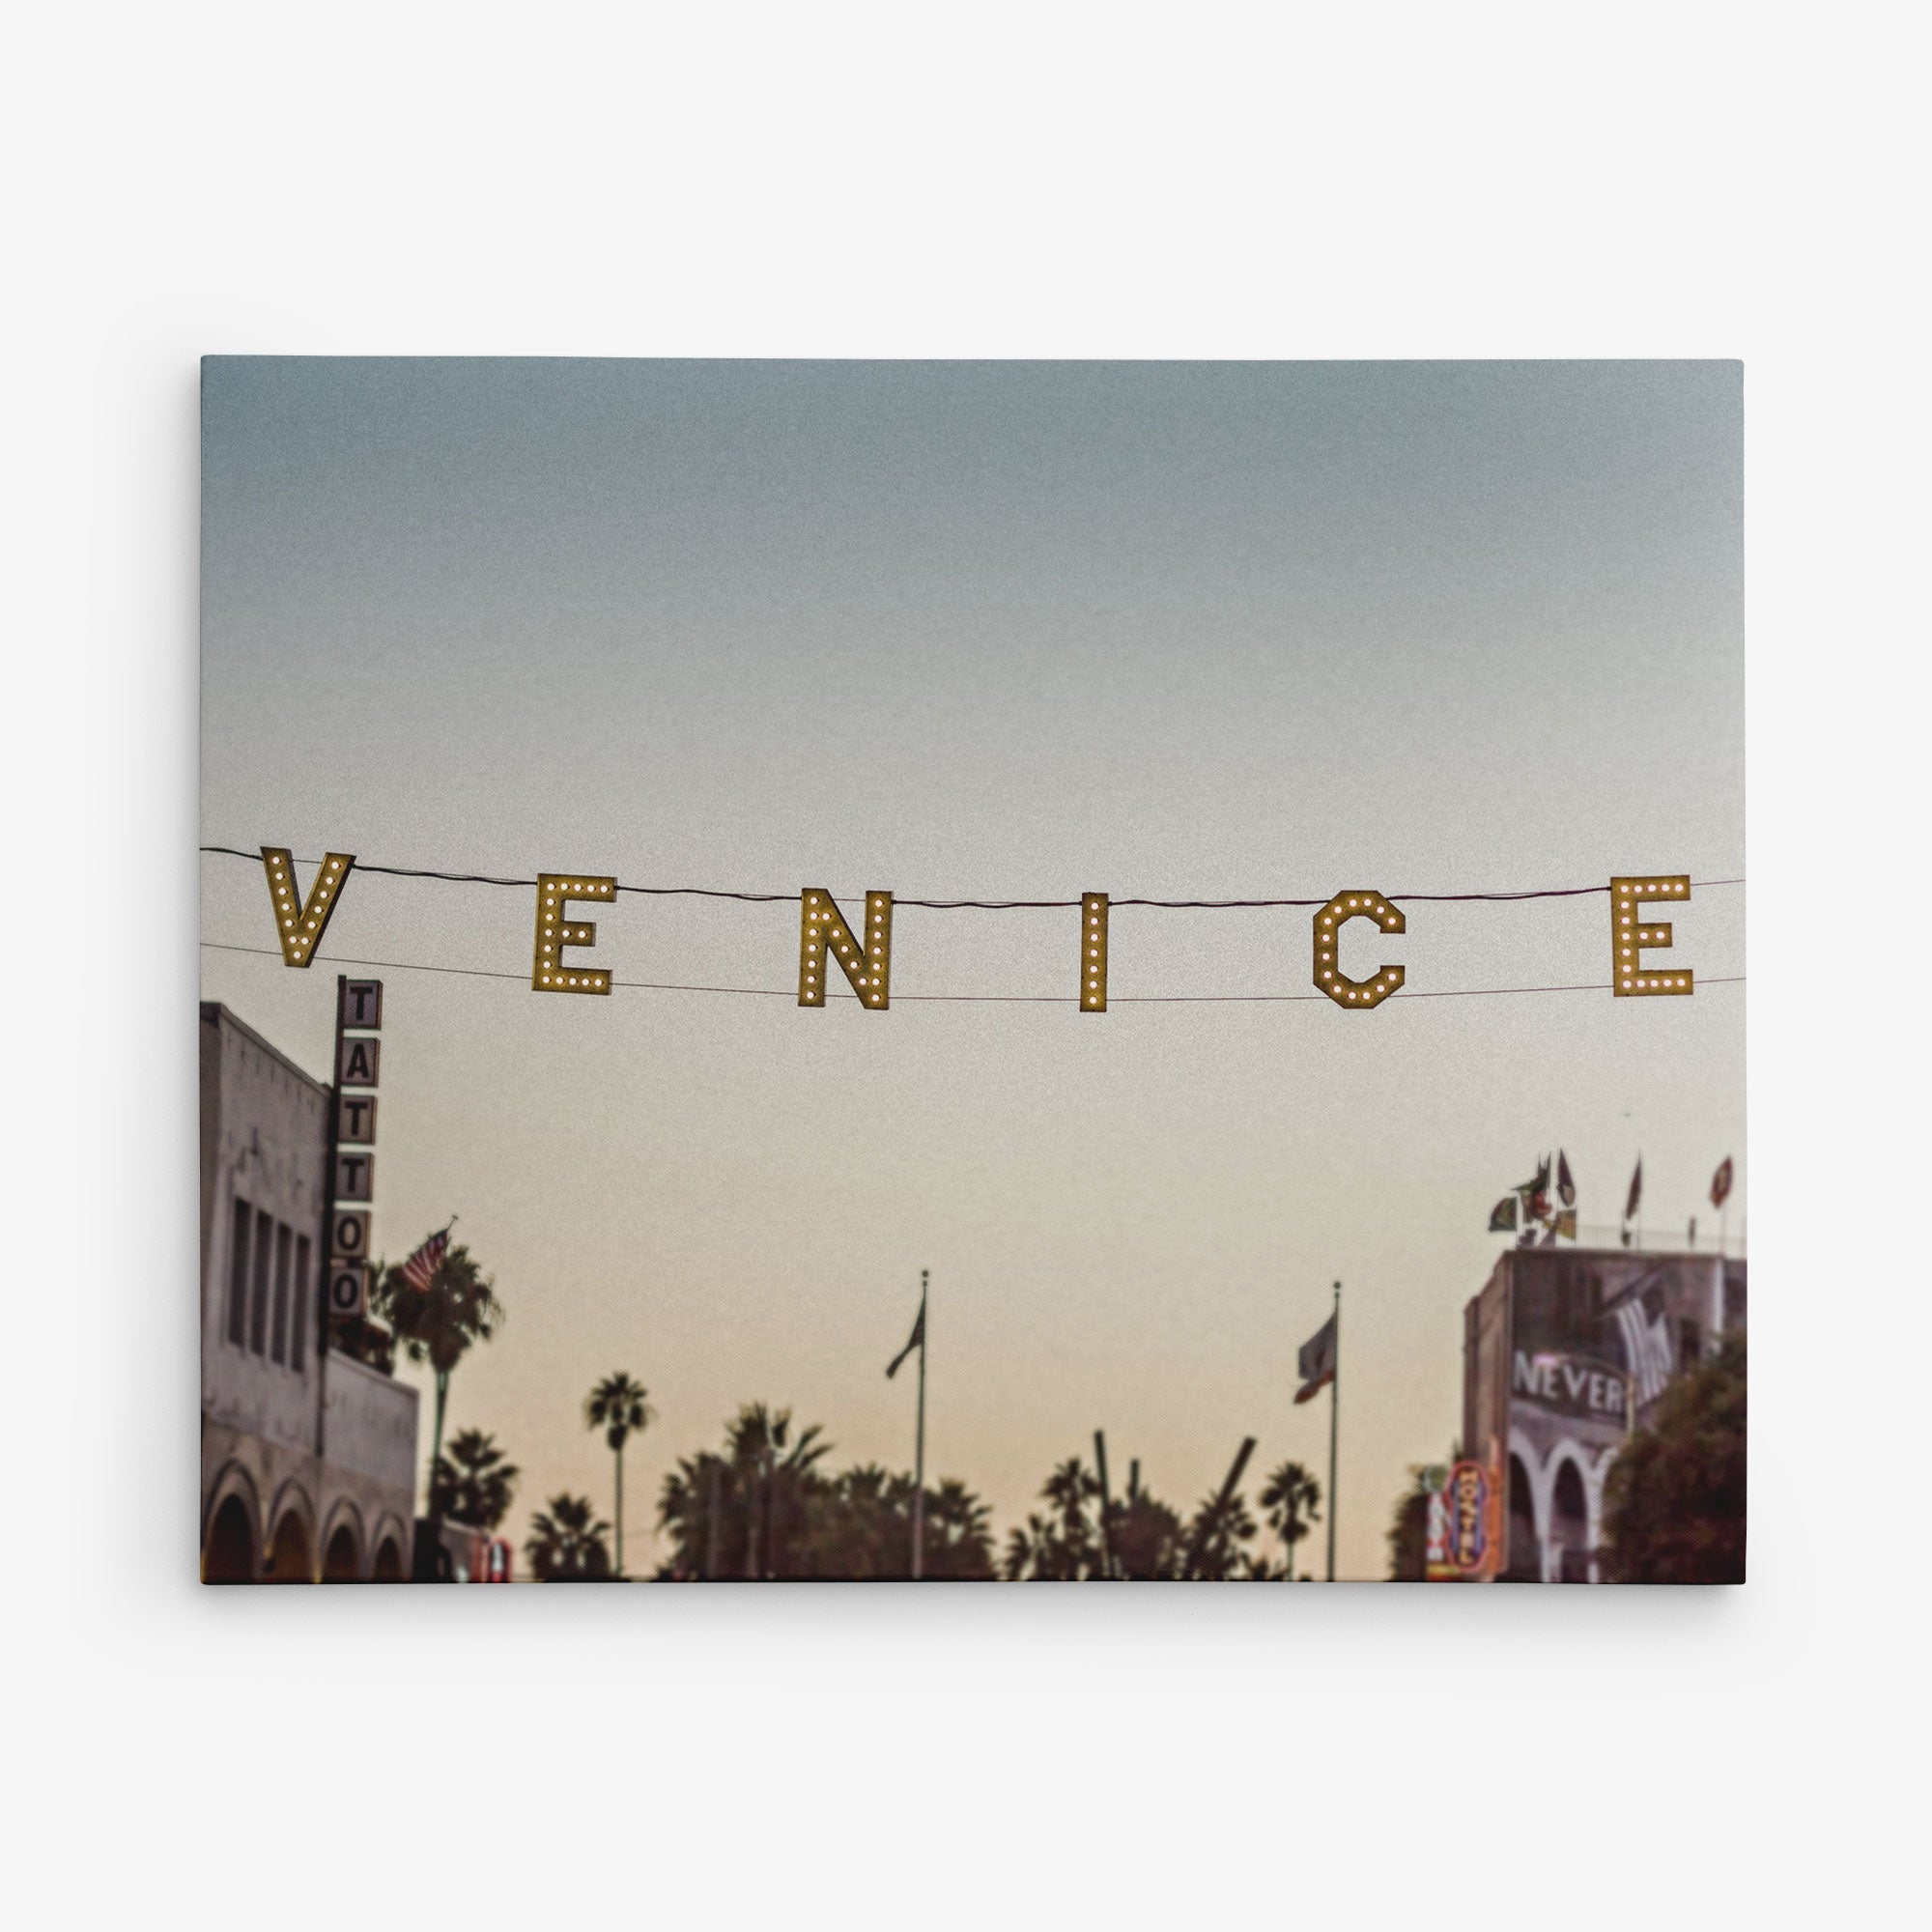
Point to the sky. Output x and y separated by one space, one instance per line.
987 630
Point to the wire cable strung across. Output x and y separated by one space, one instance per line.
979 905
954 999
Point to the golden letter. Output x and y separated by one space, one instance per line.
1354 994
1093 952
299 925
1629 936
554 931
820 925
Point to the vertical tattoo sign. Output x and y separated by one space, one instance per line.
352 1142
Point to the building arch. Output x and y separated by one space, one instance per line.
228 1552
392 1534
1569 1521
343 1545
292 1540
233 1480
1525 1526
342 1557
290 1558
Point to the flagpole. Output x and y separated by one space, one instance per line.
919 1453
1334 1412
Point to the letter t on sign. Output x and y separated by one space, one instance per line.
361 1006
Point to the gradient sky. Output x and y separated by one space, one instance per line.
1206 630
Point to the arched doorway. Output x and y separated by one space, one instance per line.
1525 1552
230 1557
388 1562
1570 1525
289 1560
340 1562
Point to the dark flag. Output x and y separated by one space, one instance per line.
419 1270
1316 1361
1643 1328
1636 1200
1502 1216
1720 1184
1566 1188
917 1340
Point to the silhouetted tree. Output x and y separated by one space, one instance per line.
1292 1498
472 1484
763 1508
1674 1501
437 1325
1147 1541
617 1407
1408 1530
566 1542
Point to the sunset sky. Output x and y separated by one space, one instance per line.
987 630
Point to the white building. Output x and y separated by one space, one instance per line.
307 1457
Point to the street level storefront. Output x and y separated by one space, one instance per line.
307 1456
1565 1352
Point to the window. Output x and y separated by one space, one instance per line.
298 1340
238 1273
279 1344
258 1299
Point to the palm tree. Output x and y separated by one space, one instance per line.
437 1325
773 1472
566 1544
472 1484
1292 1499
617 1407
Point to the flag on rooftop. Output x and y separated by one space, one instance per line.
1565 1186
1645 1334
1502 1216
1636 1200
1720 1183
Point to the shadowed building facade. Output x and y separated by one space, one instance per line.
307 1457
1566 1350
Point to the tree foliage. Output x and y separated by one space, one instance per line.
1293 1500
439 1325
472 1483
763 1509
617 1407
567 1544
1674 1501
1409 1531
1082 1537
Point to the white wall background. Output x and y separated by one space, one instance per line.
1000 179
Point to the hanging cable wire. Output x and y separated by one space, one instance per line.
979 905
955 999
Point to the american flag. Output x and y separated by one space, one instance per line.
421 1266
1646 1339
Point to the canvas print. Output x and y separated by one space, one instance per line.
972 972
